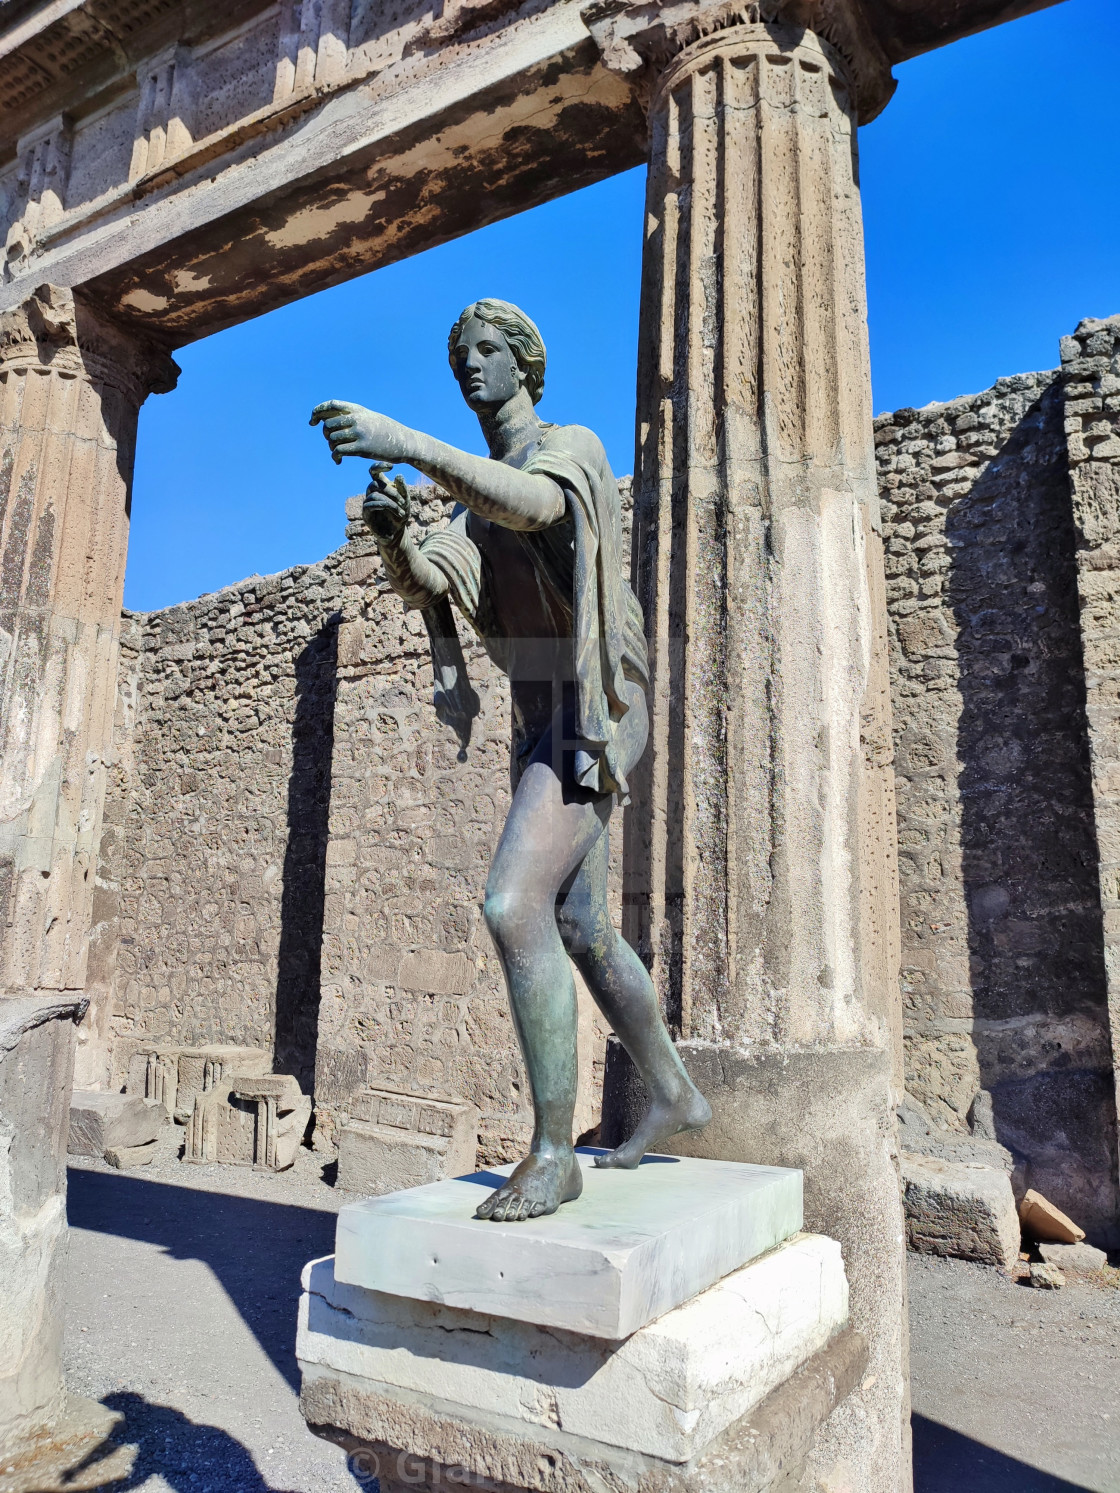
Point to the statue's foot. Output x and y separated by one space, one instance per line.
538 1186
661 1121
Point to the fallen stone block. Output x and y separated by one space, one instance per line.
100 1122
124 1157
176 1075
1084 1258
960 1210
1041 1220
249 1120
1046 1277
395 1140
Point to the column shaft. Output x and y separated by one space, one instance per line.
70 391
761 882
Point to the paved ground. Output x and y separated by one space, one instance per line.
183 1283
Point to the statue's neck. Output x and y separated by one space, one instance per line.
511 426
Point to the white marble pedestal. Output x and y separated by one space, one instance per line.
678 1366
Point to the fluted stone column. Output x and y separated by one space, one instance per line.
761 883
71 386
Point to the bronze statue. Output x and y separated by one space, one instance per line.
532 560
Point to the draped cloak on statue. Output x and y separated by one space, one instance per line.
579 561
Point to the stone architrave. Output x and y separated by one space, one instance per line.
394 1140
760 878
71 386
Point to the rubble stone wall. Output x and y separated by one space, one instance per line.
1003 969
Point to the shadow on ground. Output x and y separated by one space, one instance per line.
188 1456
946 1461
256 1249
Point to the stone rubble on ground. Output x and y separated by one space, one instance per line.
960 1209
1082 1258
1046 1277
100 1122
1041 1220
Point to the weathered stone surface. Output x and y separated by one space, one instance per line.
247 1120
758 568
1091 366
1003 971
666 1391
634 1245
1042 1220
961 1210
100 1121
766 1450
176 1076
1046 1277
125 1157
395 1140
36 1076
1083 1258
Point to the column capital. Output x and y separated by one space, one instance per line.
56 331
642 40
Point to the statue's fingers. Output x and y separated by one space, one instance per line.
328 407
343 421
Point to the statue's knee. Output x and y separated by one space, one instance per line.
501 911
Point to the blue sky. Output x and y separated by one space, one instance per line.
992 222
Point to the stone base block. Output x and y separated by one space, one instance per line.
394 1140
665 1392
101 1121
633 1246
410 1444
964 1211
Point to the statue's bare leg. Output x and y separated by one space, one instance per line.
547 835
624 992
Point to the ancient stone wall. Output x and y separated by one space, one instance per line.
212 873
1002 970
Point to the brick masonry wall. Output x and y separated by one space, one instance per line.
1002 969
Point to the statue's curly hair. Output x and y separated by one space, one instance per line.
525 341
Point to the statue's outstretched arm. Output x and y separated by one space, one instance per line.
516 500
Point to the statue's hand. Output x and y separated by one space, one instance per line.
386 508
354 431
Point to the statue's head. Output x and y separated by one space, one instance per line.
495 350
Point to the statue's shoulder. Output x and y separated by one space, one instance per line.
577 441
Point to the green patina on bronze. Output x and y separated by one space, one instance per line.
532 559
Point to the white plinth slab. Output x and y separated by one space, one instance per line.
666 1392
635 1245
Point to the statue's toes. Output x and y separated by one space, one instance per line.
486 1208
538 1209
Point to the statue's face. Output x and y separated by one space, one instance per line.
485 368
